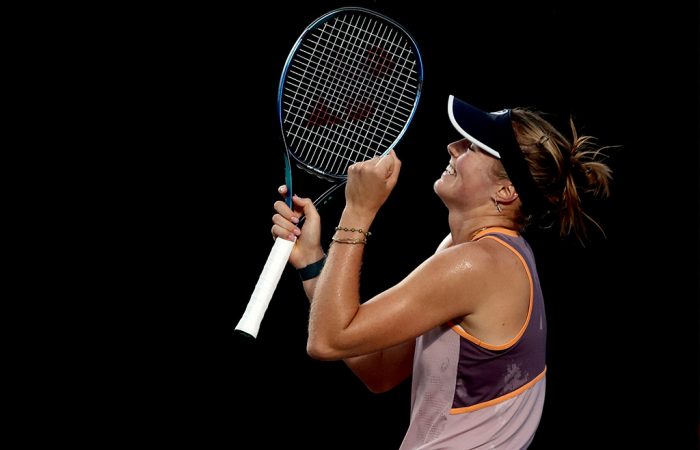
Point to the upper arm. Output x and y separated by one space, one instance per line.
446 286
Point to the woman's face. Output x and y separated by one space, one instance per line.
469 177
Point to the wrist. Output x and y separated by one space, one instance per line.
356 218
353 227
309 258
312 270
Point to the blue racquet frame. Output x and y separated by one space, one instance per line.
349 90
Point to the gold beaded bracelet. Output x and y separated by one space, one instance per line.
354 230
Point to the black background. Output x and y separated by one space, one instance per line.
623 311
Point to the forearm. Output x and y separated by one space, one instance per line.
379 371
336 296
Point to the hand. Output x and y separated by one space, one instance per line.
307 249
370 183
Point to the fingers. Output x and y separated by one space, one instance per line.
284 223
284 228
286 220
306 205
387 165
300 204
284 211
390 163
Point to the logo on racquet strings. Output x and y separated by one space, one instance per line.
353 110
322 115
378 63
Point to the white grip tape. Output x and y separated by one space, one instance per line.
265 287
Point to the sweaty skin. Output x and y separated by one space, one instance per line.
462 281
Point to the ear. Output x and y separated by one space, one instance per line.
506 193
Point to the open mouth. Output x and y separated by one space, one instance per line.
450 170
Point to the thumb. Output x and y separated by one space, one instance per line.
306 205
391 164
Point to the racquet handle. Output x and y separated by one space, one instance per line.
265 287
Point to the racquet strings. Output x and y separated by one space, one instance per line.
349 92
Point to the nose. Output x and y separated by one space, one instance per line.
452 149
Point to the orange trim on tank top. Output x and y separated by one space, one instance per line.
500 399
500 230
462 332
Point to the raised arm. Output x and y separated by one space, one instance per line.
380 370
341 326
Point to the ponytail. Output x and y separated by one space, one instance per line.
564 171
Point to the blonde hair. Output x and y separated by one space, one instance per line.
563 169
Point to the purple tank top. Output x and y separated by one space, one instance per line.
468 394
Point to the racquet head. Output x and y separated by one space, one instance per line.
348 91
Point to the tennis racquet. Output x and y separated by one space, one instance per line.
348 91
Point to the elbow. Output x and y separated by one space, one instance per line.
380 382
378 387
375 384
321 350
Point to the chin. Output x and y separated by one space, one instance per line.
437 187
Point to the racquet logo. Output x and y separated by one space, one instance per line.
379 62
354 110
360 109
321 115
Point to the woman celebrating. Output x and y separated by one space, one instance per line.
469 322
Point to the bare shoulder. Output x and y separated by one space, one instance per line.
460 268
477 267
457 279
456 282
468 257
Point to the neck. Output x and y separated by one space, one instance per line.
464 226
